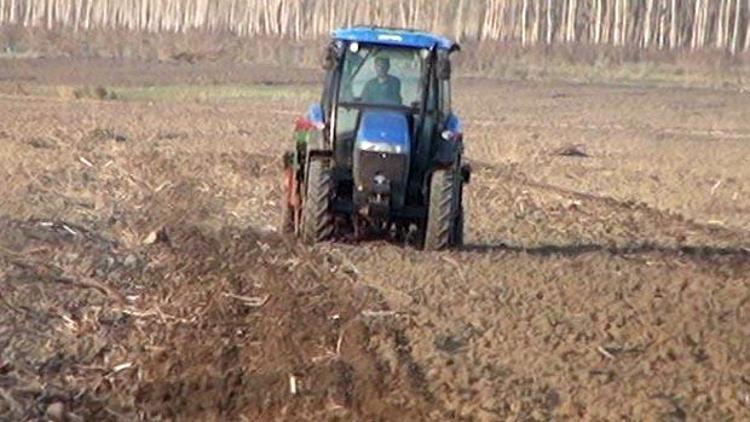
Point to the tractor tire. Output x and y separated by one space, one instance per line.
317 215
443 216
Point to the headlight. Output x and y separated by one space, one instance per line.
382 147
448 135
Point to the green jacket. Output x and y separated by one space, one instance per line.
387 92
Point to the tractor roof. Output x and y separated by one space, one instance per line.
394 36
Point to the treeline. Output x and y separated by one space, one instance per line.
662 24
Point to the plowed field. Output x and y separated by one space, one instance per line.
606 273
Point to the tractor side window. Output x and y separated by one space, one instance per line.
325 100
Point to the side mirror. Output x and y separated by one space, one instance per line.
332 54
328 58
444 68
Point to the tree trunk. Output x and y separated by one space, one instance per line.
436 15
524 13
625 32
550 23
696 25
647 23
458 28
598 16
673 25
735 28
12 15
705 23
720 26
537 21
693 24
618 22
572 13
660 36
727 24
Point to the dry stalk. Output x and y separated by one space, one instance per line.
312 268
155 312
90 283
339 342
714 187
121 367
14 405
292 384
56 274
321 358
455 265
252 301
378 314
605 353
85 162
336 354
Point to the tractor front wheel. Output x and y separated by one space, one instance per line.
317 215
444 216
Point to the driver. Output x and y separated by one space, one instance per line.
383 88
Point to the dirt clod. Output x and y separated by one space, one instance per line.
42 143
572 151
56 412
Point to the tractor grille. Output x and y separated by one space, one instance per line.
395 167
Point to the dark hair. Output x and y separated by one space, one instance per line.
384 60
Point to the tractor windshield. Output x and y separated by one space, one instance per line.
382 75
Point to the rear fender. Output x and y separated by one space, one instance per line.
447 152
450 142
313 154
315 115
310 139
309 130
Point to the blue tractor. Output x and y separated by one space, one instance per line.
381 153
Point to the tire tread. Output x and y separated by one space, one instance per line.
441 215
317 218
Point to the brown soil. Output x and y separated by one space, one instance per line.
141 278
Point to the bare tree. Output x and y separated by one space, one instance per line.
647 23
458 32
696 24
524 15
549 22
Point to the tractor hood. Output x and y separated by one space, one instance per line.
384 131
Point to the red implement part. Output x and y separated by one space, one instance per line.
292 199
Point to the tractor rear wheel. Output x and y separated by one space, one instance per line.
443 215
317 215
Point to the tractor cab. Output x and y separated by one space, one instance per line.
382 129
